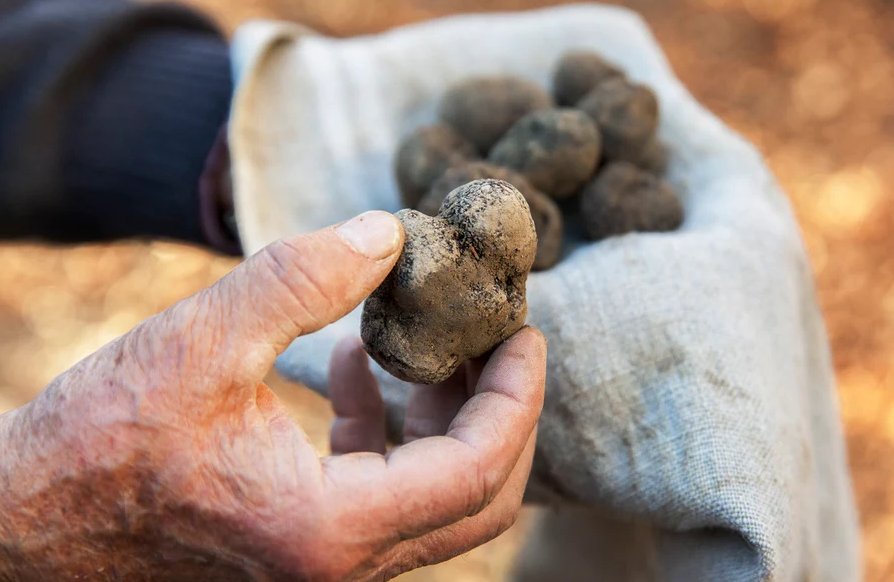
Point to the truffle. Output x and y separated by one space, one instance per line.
425 155
458 288
482 109
624 198
547 217
578 73
653 157
557 150
627 116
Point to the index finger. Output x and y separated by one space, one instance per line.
436 481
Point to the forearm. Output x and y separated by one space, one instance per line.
108 112
29 509
68 487
78 502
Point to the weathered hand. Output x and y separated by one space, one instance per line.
164 456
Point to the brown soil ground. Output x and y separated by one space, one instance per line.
809 81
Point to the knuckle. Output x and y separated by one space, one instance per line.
149 347
180 341
291 275
417 553
482 489
411 561
507 520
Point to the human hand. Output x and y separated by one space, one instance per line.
164 456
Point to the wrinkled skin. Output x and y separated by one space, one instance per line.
459 286
163 456
548 221
624 198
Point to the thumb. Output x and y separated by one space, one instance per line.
292 287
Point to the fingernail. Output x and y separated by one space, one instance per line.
373 234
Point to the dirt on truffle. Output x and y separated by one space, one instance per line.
425 155
458 288
482 109
624 198
578 73
548 221
627 116
557 150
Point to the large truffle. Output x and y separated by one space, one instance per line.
557 150
482 109
624 198
458 288
627 116
547 217
578 73
425 155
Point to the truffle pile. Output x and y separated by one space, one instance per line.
590 147
486 186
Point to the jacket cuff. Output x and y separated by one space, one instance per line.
139 140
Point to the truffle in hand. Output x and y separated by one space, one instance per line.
458 288
624 198
548 221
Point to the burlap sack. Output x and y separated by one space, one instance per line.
691 428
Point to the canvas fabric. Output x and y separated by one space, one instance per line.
691 428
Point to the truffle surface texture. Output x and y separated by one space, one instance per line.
627 116
548 221
624 198
425 155
578 73
458 288
482 109
557 150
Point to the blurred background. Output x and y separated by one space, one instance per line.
811 82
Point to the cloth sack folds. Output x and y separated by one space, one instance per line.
691 428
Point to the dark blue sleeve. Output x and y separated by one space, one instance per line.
108 111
